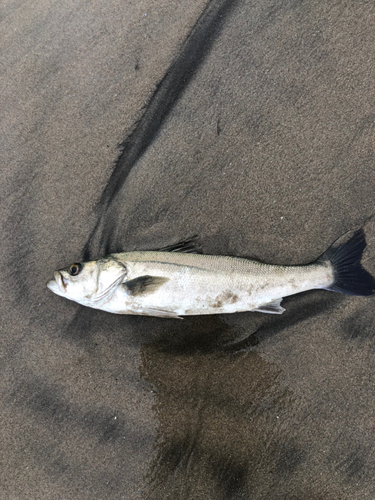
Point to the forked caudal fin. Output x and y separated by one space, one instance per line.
349 275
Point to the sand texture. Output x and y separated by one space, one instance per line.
134 125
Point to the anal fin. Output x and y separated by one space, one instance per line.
159 313
273 307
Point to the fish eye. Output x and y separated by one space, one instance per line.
75 269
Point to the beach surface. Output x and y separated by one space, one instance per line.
135 125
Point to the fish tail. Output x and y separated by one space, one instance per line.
349 275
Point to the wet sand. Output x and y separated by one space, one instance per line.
249 124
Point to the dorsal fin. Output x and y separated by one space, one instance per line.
186 246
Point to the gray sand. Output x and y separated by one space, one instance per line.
250 124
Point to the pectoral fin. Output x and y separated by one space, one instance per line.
273 307
144 284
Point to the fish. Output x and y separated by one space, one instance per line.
178 281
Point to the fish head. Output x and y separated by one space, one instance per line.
88 283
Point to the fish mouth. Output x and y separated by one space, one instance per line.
57 285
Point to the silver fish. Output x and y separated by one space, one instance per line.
175 282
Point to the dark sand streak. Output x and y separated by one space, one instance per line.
193 52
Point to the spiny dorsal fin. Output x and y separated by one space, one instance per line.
144 284
273 307
186 246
